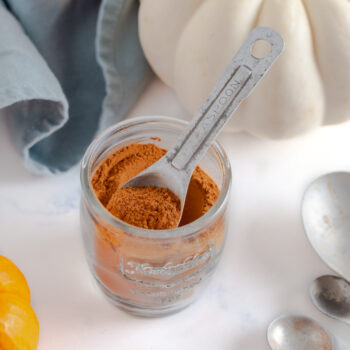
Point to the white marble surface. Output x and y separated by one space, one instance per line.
267 264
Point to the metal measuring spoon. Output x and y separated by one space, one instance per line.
300 333
174 170
331 295
326 218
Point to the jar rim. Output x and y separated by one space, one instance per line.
89 195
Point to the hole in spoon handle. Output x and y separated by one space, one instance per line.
237 82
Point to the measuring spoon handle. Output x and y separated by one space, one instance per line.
237 82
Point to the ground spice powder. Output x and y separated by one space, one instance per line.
149 207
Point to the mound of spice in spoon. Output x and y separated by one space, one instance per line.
149 207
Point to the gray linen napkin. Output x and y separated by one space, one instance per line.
67 69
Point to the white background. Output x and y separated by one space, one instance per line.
266 269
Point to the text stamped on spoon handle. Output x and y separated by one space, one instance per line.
237 82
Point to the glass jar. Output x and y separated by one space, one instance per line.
151 272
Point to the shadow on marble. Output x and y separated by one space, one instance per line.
252 340
63 293
12 167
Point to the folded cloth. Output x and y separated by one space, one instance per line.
68 68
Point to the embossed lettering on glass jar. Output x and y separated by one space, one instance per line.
151 272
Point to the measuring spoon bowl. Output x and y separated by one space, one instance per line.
331 295
326 219
298 333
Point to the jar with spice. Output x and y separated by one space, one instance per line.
141 264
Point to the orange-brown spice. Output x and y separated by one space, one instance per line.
149 207
114 248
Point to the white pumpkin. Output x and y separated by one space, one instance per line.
190 42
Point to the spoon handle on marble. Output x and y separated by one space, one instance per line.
237 82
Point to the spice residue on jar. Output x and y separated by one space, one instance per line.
149 207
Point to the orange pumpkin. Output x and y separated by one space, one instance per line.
19 327
12 279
